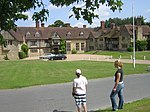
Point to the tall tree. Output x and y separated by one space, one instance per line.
129 20
57 23
12 10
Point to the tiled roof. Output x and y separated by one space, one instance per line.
74 33
47 32
145 29
111 33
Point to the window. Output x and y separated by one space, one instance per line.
28 34
33 50
81 34
124 45
77 46
68 45
115 46
101 40
82 46
10 42
101 46
68 34
37 34
123 38
91 40
5 44
33 43
46 41
91 47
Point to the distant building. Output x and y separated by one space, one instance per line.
42 39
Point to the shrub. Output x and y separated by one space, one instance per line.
130 49
22 55
25 49
141 45
62 46
74 51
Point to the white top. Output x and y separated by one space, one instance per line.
80 85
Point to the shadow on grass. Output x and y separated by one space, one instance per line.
106 110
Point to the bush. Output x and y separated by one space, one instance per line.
74 51
130 49
141 45
22 55
25 49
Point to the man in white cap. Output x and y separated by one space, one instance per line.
79 91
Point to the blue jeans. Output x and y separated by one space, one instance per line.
119 91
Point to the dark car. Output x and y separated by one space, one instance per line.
58 57
47 56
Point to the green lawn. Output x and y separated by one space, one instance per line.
16 74
124 55
137 106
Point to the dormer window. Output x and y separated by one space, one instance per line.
55 34
37 34
28 34
81 34
68 34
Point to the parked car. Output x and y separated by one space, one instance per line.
58 57
47 56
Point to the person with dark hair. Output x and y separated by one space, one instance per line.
79 91
118 87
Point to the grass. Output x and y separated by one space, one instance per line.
137 106
124 55
17 74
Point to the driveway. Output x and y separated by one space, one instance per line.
75 57
50 98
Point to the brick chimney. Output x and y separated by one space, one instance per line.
67 24
42 24
113 25
139 22
102 24
37 24
84 26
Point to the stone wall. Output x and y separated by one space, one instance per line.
13 53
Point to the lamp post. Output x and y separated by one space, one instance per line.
133 35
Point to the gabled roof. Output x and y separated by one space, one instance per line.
112 33
145 29
47 32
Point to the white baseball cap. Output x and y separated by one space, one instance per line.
78 71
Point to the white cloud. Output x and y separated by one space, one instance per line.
52 7
79 24
148 11
103 12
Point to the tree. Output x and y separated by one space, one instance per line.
141 45
12 10
148 44
25 49
62 46
129 20
2 41
57 23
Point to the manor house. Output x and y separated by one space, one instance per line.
41 39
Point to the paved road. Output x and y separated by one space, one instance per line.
58 96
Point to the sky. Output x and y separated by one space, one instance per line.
140 8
